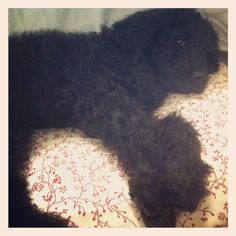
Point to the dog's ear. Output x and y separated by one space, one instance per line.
134 32
213 52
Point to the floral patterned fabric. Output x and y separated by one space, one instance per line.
79 179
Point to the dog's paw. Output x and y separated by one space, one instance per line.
149 197
161 219
184 172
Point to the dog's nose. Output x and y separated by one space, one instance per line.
198 75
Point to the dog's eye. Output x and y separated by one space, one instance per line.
181 43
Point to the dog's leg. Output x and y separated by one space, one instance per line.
161 157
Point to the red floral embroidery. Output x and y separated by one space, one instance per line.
57 179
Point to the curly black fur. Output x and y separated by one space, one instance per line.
108 85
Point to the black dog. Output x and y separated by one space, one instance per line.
108 85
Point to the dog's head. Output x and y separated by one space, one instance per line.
185 51
180 46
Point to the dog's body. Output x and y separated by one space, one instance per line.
108 85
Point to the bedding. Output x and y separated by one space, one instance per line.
79 179
85 20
